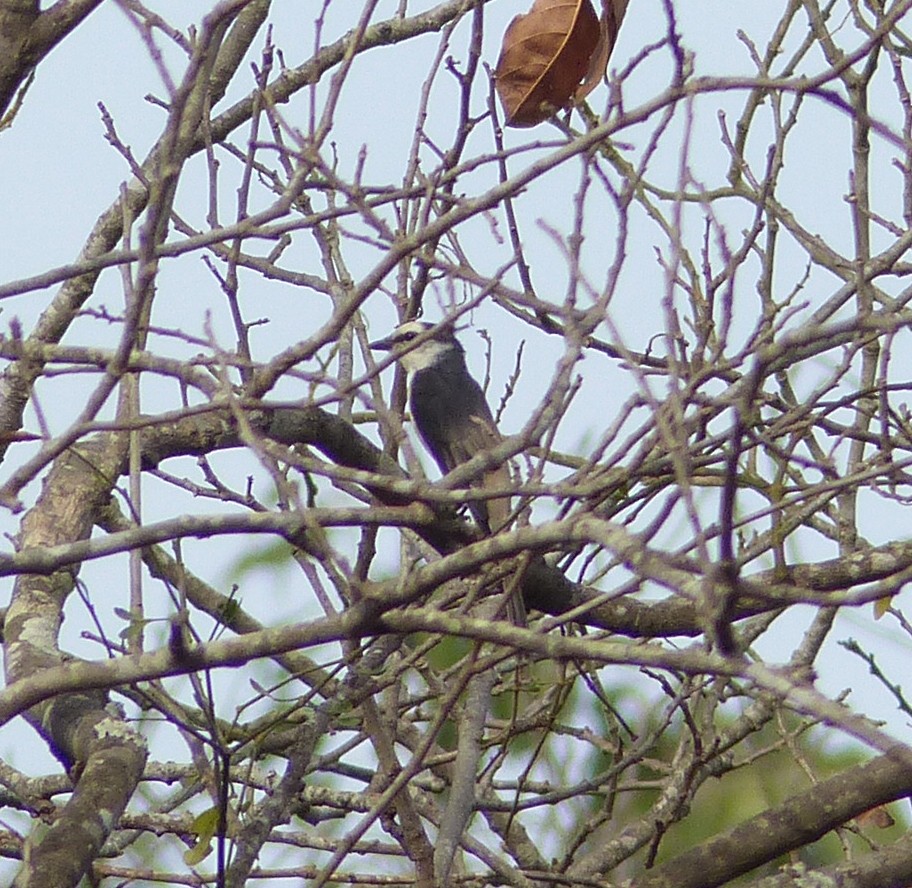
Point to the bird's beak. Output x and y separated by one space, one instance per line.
383 344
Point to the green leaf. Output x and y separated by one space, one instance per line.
204 826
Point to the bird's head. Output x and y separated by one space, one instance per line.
419 345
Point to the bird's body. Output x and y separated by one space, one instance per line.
452 415
455 422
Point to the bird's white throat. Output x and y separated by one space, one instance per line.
425 355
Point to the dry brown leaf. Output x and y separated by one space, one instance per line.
609 25
545 55
879 817
547 52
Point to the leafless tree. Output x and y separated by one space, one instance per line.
693 316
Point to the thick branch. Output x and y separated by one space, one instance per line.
796 822
26 37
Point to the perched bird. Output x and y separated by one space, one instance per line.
452 416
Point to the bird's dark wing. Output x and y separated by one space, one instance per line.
455 423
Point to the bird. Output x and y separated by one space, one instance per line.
452 416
